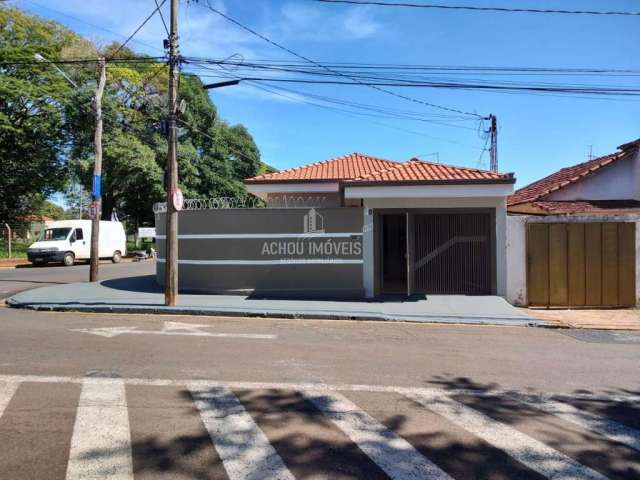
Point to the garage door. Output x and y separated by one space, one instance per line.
581 264
452 253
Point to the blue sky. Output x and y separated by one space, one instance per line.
538 134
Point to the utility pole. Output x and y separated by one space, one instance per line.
171 242
97 173
493 130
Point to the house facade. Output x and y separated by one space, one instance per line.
353 226
573 236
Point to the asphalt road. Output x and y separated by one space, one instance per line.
13 280
116 396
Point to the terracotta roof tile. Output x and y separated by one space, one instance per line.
587 207
345 167
420 171
358 168
568 176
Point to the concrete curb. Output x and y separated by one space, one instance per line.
199 311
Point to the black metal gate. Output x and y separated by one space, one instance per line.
452 253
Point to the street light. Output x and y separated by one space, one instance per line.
228 83
40 58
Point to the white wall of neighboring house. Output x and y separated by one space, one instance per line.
517 249
618 181
517 259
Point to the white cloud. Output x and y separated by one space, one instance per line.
205 34
308 21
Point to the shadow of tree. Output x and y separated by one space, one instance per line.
312 446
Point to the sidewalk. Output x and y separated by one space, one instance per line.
621 319
142 295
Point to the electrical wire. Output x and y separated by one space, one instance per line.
278 91
144 22
337 72
591 90
90 24
131 60
481 9
166 29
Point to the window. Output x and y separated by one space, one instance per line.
55 234
79 234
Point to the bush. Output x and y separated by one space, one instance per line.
18 248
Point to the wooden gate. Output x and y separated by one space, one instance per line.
581 264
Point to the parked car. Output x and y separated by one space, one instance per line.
69 240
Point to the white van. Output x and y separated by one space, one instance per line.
69 240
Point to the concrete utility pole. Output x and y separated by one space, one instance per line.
173 198
97 172
493 129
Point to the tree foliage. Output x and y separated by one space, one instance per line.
47 127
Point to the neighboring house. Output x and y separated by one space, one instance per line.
573 238
356 226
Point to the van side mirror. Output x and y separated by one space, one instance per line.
72 238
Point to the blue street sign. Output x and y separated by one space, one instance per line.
96 185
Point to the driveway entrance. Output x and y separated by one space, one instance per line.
437 252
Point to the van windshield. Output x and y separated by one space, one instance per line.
54 234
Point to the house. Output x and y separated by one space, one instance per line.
353 226
573 238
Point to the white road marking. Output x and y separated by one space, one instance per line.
189 327
7 389
527 450
101 442
110 332
296 386
607 428
244 449
397 457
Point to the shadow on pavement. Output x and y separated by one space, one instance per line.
311 446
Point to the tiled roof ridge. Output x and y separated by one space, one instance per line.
597 164
402 165
377 172
460 167
267 176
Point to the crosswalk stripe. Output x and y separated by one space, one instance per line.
607 428
244 449
101 442
529 451
393 454
7 389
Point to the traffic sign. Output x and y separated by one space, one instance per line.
93 211
178 200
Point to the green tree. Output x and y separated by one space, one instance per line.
32 98
44 120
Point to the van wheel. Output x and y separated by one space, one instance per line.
117 256
69 259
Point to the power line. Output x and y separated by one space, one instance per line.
336 72
463 86
480 9
371 110
166 29
90 24
410 66
139 27
276 90
131 60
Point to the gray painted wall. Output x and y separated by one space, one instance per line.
302 252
